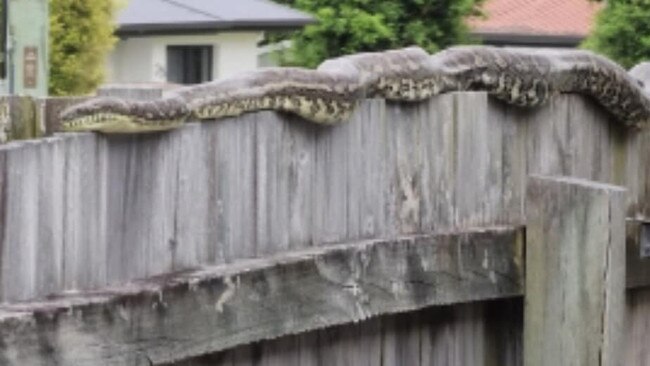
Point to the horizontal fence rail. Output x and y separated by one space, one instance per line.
176 316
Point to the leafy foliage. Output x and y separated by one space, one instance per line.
622 31
348 26
81 35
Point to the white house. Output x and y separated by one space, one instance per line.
192 41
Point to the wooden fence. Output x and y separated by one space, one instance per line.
265 226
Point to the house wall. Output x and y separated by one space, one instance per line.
131 61
28 58
144 59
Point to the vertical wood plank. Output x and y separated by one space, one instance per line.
405 130
638 174
142 204
272 178
548 139
215 228
83 213
637 352
4 218
331 184
21 220
280 352
401 340
308 349
368 350
120 256
575 279
438 170
437 337
301 161
590 140
355 164
504 326
369 170
334 346
389 168
479 162
50 251
235 138
248 355
509 147
189 200
354 344
190 242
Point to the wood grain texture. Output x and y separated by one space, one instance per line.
266 183
575 272
477 334
637 323
22 122
183 315
83 211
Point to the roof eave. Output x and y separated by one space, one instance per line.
511 38
202 27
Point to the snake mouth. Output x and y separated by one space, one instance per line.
113 115
118 123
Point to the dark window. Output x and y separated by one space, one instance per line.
189 64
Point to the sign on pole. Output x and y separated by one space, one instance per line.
23 43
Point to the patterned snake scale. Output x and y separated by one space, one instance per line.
329 94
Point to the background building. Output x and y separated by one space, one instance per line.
23 47
535 23
193 41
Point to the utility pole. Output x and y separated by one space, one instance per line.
3 47
24 46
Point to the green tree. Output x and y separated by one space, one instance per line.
348 26
81 35
622 31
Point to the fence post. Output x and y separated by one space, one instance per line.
575 273
18 119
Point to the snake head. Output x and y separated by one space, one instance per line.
115 115
80 116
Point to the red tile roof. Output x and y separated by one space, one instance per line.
537 17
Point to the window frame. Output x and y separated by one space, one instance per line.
182 74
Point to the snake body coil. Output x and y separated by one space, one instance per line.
330 93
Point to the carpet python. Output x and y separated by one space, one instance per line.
329 94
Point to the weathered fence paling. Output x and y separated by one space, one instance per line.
575 273
87 212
